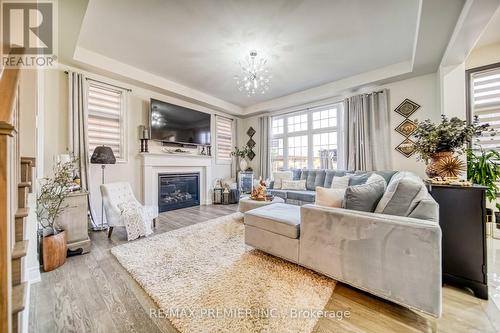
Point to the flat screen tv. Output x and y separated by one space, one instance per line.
177 124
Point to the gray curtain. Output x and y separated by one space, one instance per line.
78 140
265 158
367 132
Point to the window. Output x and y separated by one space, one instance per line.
305 139
106 118
223 139
485 102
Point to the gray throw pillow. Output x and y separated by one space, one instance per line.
364 197
359 179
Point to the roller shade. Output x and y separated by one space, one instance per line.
104 118
224 138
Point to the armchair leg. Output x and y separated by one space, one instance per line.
110 231
154 223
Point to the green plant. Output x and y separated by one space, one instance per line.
448 136
52 192
241 152
484 169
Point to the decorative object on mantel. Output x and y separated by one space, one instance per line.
407 148
406 128
102 155
242 153
49 206
144 136
407 108
438 141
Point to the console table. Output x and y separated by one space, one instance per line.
74 220
462 217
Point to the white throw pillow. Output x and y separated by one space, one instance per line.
330 197
279 176
297 185
340 182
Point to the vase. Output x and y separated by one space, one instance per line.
431 170
54 251
243 164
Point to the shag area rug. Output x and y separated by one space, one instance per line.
205 279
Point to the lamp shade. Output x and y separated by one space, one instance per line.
103 155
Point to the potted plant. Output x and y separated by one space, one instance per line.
483 168
435 142
49 206
242 153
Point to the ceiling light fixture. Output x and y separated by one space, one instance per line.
255 76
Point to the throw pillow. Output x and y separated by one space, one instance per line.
404 192
340 182
279 176
297 185
358 179
364 197
330 197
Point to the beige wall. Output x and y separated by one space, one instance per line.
486 55
56 133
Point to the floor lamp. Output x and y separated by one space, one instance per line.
102 155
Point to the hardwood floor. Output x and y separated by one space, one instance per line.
94 293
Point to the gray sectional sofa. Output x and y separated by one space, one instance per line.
316 178
394 253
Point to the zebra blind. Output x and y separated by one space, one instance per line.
485 103
105 118
224 138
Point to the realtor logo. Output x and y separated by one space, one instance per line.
28 33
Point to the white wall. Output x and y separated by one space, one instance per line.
486 55
56 133
243 126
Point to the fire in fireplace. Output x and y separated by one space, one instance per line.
177 191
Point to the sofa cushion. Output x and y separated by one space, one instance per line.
358 179
279 176
308 196
279 218
364 197
313 178
340 182
330 197
404 192
278 193
296 173
329 174
298 185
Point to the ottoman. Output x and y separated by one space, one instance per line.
247 204
274 229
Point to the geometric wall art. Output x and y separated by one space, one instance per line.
251 143
406 128
407 148
407 108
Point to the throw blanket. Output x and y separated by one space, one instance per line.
136 219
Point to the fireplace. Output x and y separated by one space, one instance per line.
177 191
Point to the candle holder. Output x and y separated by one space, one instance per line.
144 137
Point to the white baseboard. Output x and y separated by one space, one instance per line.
25 315
34 275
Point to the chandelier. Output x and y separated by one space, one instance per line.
255 76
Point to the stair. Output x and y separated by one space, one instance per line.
23 188
20 218
19 300
19 252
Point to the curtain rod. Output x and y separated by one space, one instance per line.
109 84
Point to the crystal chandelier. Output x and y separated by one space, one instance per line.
255 76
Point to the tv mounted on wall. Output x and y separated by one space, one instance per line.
177 124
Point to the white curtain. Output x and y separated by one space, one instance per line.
78 139
367 132
265 158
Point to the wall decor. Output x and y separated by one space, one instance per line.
407 148
251 143
406 128
407 108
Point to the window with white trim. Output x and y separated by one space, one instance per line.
106 107
485 104
223 139
305 139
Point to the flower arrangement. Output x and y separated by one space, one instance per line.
450 135
241 152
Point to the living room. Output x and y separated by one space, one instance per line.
275 166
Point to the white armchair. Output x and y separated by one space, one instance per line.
114 194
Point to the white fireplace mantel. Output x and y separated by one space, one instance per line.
154 164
